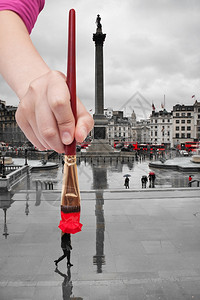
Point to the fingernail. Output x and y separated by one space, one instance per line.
66 138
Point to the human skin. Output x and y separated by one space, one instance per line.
44 112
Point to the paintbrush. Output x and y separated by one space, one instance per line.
70 198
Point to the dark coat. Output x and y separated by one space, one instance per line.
66 242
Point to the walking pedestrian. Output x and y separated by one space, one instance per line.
126 183
144 180
66 247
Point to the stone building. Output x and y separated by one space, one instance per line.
197 120
183 124
119 128
10 133
161 127
143 132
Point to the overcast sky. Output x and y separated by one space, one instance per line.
151 47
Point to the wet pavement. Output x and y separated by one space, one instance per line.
135 244
112 173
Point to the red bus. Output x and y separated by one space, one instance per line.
191 146
152 147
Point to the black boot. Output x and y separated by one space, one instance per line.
69 264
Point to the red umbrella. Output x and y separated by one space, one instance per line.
151 173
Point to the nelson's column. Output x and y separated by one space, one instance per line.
100 142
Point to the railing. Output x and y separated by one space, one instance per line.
9 169
14 177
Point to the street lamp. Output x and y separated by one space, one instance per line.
3 153
26 154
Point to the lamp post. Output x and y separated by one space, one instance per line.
26 153
3 153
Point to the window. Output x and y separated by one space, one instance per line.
198 116
177 121
156 127
183 114
182 121
183 135
189 114
198 109
168 133
163 120
182 128
155 133
177 114
188 135
156 121
177 135
168 120
188 127
177 127
188 121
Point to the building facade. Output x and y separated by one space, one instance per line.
183 124
161 127
119 128
10 133
142 129
197 120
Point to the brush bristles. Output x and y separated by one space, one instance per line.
70 209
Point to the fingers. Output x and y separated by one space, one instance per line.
47 129
26 128
84 124
59 102
45 114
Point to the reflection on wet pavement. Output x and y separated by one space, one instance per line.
134 244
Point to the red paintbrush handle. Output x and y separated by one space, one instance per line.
71 73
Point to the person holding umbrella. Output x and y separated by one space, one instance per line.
126 182
66 247
152 178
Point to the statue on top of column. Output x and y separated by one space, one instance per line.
98 22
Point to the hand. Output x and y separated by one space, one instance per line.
44 114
